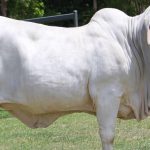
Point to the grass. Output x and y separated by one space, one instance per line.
72 132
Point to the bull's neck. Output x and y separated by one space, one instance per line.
133 44
137 45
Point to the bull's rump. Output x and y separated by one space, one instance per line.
46 68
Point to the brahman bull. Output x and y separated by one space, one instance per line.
101 68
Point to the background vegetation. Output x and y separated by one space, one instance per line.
22 9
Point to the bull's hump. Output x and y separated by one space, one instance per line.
109 15
113 23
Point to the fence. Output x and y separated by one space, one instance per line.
45 20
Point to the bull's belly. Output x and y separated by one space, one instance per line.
52 104
40 120
40 109
53 97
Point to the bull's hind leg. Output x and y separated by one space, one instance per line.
107 105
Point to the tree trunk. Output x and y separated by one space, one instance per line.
95 5
4 7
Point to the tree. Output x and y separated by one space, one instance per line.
21 9
95 5
4 7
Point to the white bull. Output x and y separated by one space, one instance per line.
101 68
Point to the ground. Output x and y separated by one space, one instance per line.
73 132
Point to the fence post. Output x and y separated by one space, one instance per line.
75 18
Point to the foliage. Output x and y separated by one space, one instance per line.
22 9
131 7
85 7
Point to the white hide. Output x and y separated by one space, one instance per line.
101 68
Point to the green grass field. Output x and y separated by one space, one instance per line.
72 132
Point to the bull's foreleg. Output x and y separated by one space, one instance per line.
107 105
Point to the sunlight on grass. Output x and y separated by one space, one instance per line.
72 132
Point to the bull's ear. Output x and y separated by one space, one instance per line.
148 35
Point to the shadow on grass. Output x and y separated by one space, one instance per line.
4 114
